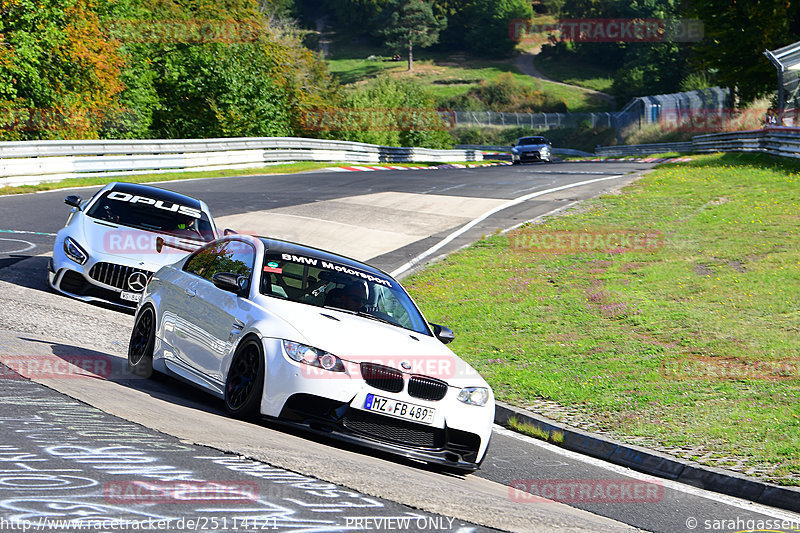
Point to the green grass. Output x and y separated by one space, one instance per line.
587 75
288 168
695 342
446 77
535 431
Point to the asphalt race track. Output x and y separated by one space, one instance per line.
73 446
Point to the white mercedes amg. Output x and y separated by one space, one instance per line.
106 252
318 341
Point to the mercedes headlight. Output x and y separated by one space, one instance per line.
474 395
313 356
74 251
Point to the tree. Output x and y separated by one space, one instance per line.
736 35
409 23
487 31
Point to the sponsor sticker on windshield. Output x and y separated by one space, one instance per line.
273 268
334 267
158 204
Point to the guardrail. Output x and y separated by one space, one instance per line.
507 148
32 162
644 149
784 142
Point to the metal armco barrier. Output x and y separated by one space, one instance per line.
32 162
784 142
643 149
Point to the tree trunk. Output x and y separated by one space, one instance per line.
410 56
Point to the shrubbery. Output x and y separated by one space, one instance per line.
389 112
508 95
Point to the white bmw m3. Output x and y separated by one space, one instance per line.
315 340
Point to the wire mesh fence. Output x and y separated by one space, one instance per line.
540 121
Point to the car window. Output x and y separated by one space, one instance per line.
532 140
152 215
234 256
324 283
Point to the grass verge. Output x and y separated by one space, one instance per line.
670 312
447 78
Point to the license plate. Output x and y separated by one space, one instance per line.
407 411
130 296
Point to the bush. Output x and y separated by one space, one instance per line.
508 95
388 112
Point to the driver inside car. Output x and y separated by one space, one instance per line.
352 297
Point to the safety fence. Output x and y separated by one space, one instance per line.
32 162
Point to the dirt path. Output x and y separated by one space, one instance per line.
524 62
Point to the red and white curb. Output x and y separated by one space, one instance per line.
434 167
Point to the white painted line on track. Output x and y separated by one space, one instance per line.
30 246
21 232
466 227
731 501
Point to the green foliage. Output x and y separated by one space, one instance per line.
410 23
388 112
219 91
736 35
488 30
506 94
152 68
58 73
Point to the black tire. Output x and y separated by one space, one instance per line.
140 348
245 381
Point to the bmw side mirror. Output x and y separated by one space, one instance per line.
513 145
74 200
443 333
228 281
229 231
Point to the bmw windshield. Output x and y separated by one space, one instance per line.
152 214
325 283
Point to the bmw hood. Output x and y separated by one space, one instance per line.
131 246
359 339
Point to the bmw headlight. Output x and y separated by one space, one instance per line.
74 251
313 356
474 395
